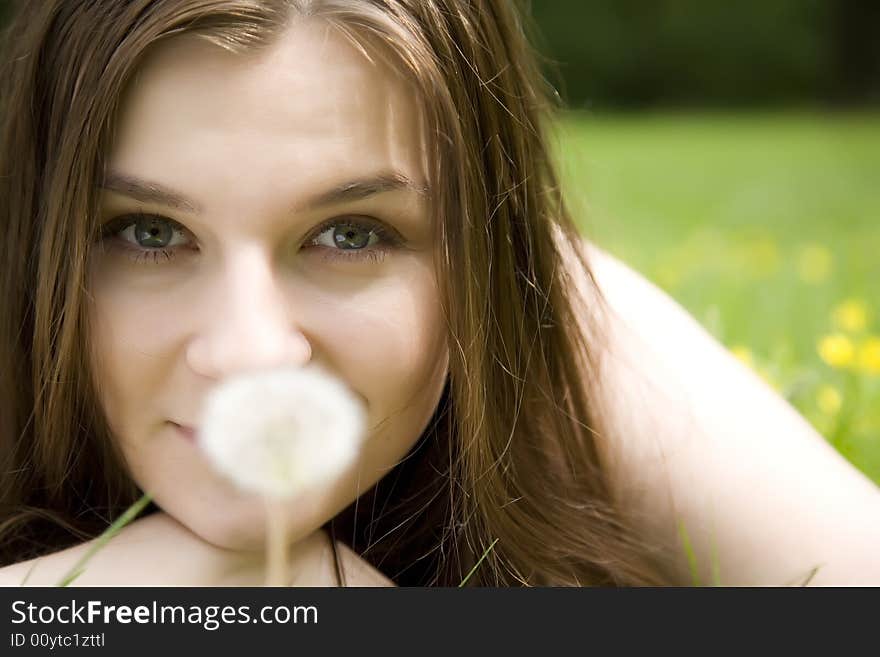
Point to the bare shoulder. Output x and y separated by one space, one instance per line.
320 569
696 440
359 572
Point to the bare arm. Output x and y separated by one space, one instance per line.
696 439
159 551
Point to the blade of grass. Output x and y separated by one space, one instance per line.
811 575
479 561
809 578
129 515
689 552
28 574
716 566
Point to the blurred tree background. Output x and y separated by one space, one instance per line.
649 53
730 152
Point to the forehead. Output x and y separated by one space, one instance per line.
310 109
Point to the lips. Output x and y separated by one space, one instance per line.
186 431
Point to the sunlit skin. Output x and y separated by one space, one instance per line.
251 148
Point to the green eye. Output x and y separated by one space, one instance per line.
354 239
348 236
153 232
146 237
153 238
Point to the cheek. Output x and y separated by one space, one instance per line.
389 343
132 349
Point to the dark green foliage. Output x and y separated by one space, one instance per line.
636 53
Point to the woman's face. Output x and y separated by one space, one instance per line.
263 210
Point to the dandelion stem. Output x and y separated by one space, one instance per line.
276 542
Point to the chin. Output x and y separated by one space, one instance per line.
238 526
240 536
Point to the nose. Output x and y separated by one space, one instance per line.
245 322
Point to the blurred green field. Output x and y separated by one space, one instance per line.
767 229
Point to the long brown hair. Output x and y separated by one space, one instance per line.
511 457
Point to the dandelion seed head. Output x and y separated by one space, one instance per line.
277 432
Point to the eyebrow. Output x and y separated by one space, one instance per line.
353 190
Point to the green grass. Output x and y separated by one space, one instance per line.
126 518
760 225
476 565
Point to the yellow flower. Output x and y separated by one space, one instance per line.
762 257
747 358
814 263
851 315
837 350
668 276
828 399
868 358
743 354
770 378
824 424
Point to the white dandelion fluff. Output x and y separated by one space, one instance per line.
277 432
